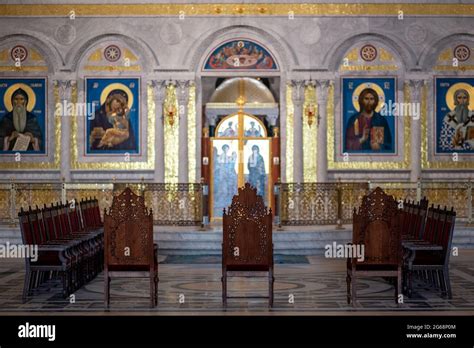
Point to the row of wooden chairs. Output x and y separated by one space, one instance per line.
426 256
69 238
413 218
401 243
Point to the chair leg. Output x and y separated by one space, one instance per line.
448 283
152 290
27 285
64 279
398 285
156 289
224 288
436 279
443 287
404 281
430 279
270 287
106 290
70 280
348 282
34 280
354 290
409 283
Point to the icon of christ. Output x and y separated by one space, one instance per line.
368 130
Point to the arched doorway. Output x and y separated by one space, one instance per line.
241 152
243 143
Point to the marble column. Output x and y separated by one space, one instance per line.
322 89
159 89
298 99
182 89
416 89
283 125
199 127
65 96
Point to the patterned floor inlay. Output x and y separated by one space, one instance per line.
316 287
210 259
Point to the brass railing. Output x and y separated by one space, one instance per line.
172 204
333 203
319 203
186 204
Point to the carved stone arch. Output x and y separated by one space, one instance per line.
276 45
431 53
405 56
147 55
49 52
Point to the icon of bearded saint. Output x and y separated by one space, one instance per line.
19 121
368 130
460 121
111 128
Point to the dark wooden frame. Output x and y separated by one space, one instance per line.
377 227
247 225
129 224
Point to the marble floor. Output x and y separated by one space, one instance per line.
318 286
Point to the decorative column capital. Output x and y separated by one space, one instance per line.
211 116
182 91
159 89
310 82
297 91
416 86
322 90
65 88
272 117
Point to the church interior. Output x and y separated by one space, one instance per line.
219 158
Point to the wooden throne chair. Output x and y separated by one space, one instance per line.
129 249
377 227
247 241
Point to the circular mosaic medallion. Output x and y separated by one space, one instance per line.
462 53
112 53
19 53
368 53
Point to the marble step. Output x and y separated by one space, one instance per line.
293 248
296 240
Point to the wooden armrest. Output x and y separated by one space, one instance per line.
418 247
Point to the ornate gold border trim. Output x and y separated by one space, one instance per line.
56 164
385 165
234 9
425 162
118 165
